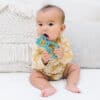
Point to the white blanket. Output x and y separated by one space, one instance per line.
16 86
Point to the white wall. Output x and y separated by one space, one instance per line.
79 10
17 29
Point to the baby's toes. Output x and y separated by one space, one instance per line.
43 93
48 92
77 90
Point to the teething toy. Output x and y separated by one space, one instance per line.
48 45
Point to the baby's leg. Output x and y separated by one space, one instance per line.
72 73
40 81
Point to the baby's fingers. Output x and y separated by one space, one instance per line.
46 55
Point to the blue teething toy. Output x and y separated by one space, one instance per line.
48 45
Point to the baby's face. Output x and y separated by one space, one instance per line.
49 23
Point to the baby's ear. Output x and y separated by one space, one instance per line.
63 27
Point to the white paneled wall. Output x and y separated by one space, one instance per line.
17 30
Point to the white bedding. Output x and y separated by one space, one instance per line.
16 86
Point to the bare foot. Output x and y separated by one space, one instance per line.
48 92
73 88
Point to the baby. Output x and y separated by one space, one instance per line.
50 23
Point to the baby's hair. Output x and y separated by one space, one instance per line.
46 7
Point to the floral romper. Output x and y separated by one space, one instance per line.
54 69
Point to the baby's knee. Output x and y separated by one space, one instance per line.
33 75
75 67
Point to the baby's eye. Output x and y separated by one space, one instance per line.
40 24
51 24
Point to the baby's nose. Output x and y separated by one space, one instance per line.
45 27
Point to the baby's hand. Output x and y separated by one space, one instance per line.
45 57
58 52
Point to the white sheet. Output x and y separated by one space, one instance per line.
16 86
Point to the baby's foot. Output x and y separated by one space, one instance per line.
48 91
73 88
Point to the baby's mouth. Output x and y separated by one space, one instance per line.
46 35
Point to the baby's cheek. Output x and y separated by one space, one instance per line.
53 37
